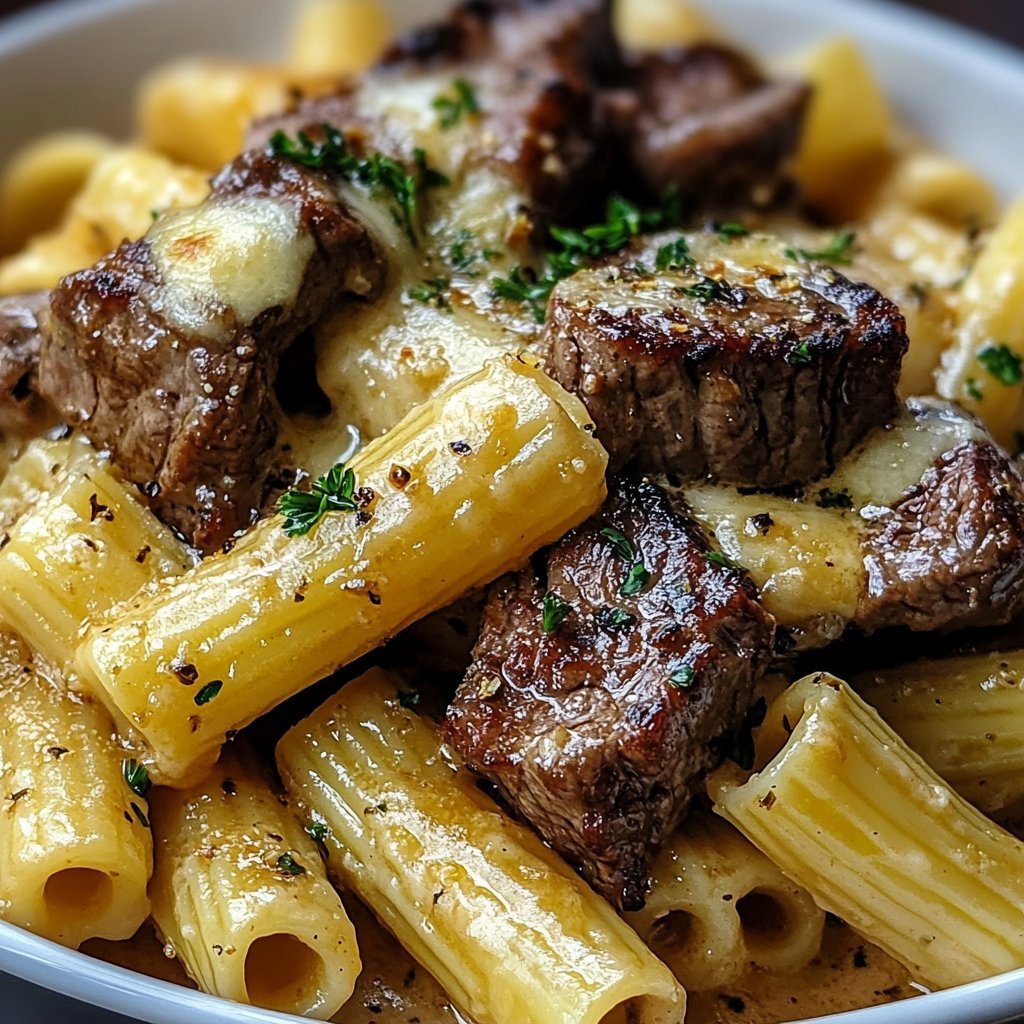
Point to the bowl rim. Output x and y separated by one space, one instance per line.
121 990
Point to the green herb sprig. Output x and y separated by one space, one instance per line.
451 109
839 250
553 612
136 776
576 247
333 492
434 291
1002 363
377 172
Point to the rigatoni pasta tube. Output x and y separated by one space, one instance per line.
964 716
846 809
240 893
465 488
507 928
717 905
75 845
37 471
82 549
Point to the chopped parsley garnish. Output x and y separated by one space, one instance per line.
333 492
575 247
318 831
827 498
707 289
410 699
973 391
136 776
621 544
450 109
555 610
208 692
1003 363
674 255
462 254
839 250
635 581
799 354
377 172
433 292
721 559
682 678
289 865
614 618
730 230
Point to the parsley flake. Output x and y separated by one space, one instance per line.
839 250
707 289
289 865
379 173
621 544
721 559
614 618
827 498
555 609
451 109
208 692
799 354
433 292
730 230
973 391
1003 363
636 580
136 776
332 492
682 678
674 255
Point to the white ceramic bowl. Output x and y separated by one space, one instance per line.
75 63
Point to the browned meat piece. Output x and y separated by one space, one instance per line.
950 555
706 121
742 362
598 729
166 351
21 333
531 67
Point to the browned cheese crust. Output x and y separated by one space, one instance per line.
745 365
192 417
582 728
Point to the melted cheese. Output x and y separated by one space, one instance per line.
226 261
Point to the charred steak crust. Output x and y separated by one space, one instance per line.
599 731
706 121
189 412
951 553
744 365
22 325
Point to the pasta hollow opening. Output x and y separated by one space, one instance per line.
676 933
283 973
764 917
77 892
618 1015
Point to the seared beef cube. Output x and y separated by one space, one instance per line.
736 359
706 121
950 553
604 680
22 323
167 350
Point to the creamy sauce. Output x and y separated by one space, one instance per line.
394 989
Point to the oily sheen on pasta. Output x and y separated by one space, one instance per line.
438 862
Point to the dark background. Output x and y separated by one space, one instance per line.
23 1004
1001 18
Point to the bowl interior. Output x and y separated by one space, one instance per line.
76 64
